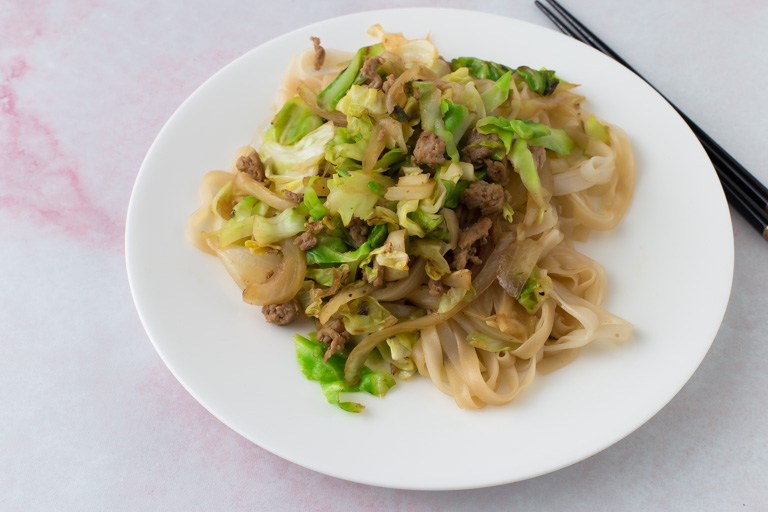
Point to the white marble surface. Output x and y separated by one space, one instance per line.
91 418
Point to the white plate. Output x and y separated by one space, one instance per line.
669 265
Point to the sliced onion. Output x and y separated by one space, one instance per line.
245 267
262 193
517 264
422 298
492 265
413 179
310 98
399 289
348 294
458 279
396 93
400 311
283 283
394 130
393 274
452 224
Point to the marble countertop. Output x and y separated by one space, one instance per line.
92 419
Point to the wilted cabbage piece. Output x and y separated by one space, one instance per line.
352 195
288 163
268 230
330 375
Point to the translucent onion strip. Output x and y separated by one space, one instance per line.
284 281
347 294
310 98
260 192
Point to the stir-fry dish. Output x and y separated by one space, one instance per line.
423 212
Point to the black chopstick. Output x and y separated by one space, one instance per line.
748 196
736 197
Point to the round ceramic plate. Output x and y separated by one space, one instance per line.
669 266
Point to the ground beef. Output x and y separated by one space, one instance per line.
306 240
293 196
379 279
388 82
435 287
466 250
498 171
319 52
281 314
315 225
251 165
464 215
333 333
369 70
429 149
358 230
476 153
484 196
539 154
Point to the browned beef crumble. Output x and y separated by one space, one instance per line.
306 240
379 279
319 53
539 154
388 82
315 225
281 314
293 196
498 171
475 153
466 250
429 150
435 287
464 215
358 230
484 196
369 70
252 166
333 333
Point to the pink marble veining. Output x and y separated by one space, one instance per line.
42 180
31 147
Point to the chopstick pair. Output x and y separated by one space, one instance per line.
747 195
